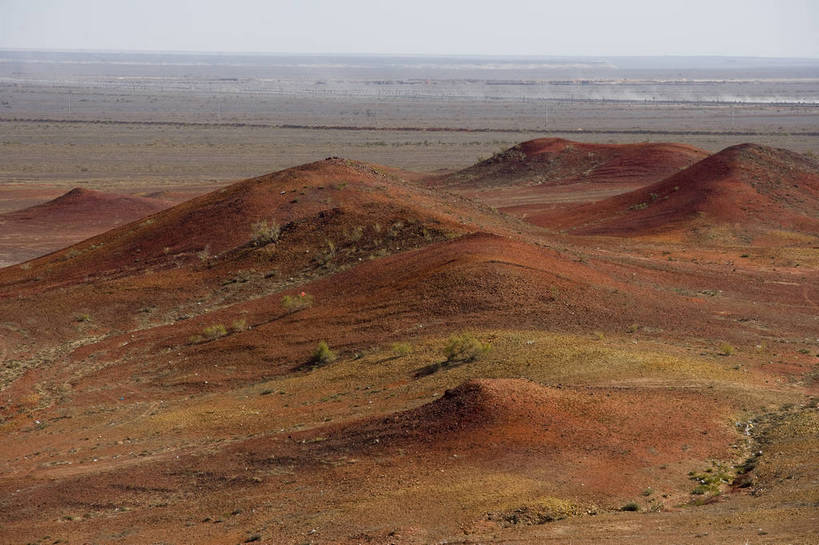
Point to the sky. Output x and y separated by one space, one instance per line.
767 28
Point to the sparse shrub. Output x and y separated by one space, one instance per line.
726 349
322 355
633 328
465 347
215 331
204 253
355 234
395 228
263 232
656 506
240 324
83 318
648 491
327 255
294 303
710 480
401 349
630 506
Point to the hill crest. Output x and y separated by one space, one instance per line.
749 189
556 161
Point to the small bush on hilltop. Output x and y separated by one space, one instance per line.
293 303
465 347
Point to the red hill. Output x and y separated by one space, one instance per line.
741 194
522 412
87 206
555 161
331 214
70 218
355 198
602 437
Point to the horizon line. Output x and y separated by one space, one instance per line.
370 54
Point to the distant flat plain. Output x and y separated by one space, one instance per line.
144 123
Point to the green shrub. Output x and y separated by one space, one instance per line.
401 349
711 480
238 325
264 232
631 506
726 349
215 331
293 303
322 354
465 347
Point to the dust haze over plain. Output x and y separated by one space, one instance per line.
784 28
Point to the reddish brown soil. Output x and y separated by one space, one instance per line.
608 378
555 161
70 218
750 189
501 416
541 176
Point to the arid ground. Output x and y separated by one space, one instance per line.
366 318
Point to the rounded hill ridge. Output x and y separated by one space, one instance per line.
556 161
85 206
746 189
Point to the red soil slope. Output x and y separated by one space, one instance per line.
517 413
747 189
555 161
223 220
200 254
476 281
89 207
70 218
123 417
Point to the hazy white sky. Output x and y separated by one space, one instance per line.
498 27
